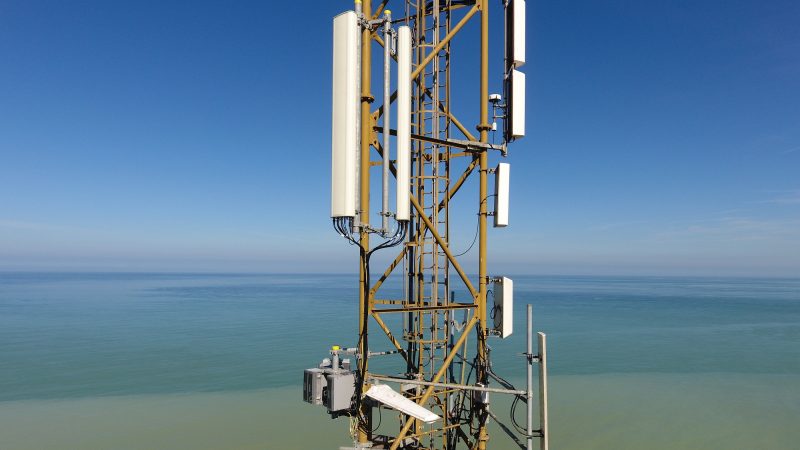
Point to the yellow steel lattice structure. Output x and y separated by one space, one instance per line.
441 356
429 343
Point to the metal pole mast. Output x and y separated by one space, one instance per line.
483 127
364 426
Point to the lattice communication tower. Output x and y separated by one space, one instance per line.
439 360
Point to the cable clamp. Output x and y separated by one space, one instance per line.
531 357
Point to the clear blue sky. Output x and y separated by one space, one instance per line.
663 138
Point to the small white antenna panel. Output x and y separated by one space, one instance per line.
504 306
501 190
517 104
515 33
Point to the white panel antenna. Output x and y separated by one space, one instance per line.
403 122
390 397
516 33
516 105
501 190
503 289
345 109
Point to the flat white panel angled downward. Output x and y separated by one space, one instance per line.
501 189
344 115
390 397
403 122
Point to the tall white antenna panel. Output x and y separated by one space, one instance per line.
501 188
345 109
516 105
403 121
515 34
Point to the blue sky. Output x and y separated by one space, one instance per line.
663 138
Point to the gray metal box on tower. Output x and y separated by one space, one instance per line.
341 388
313 385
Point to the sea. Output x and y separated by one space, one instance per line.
215 361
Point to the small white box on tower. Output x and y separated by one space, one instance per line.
516 105
503 289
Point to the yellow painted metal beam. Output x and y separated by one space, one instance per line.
445 248
389 334
458 184
483 127
450 194
379 10
449 307
379 111
364 427
436 378
445 41
456 122
388 271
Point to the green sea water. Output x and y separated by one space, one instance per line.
143 361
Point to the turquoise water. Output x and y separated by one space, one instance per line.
215 361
